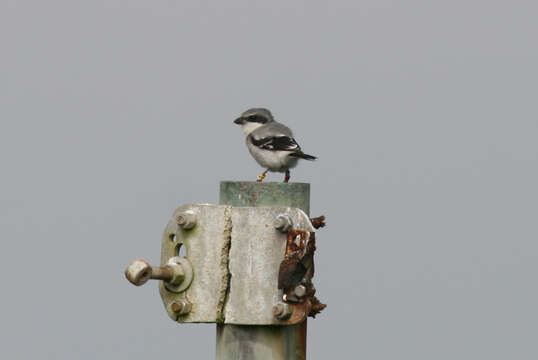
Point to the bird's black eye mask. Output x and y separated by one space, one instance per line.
256 119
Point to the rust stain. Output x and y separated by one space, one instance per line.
297 268
317 307
318 222
292 270
291 273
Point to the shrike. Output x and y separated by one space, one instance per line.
270 143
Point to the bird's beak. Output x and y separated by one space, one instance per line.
239 121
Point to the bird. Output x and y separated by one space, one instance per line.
270 143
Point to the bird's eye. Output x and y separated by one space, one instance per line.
252 118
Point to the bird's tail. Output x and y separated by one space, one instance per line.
303 156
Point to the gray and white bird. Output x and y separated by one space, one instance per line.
270 143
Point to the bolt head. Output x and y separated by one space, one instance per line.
182 274
181 307
281 311
178 273
187 219
300 291
283 223
177 307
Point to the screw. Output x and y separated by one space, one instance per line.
281 311
187 219
283 223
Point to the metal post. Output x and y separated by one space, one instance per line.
254 342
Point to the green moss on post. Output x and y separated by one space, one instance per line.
251 193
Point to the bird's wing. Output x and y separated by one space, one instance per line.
276 143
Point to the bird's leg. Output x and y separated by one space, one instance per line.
262 176
287 177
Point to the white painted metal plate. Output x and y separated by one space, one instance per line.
235 253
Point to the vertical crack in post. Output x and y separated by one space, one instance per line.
224 265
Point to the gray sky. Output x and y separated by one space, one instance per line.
424 117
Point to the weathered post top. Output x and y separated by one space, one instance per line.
263 342
253 193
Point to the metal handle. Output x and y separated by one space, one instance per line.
177 273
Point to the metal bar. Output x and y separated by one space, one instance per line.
162 273
248 342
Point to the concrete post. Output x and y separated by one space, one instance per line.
254 342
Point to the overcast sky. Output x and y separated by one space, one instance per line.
423 114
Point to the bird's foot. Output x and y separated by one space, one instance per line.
261 177
287 177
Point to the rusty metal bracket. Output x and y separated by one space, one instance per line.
243 265
296 273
